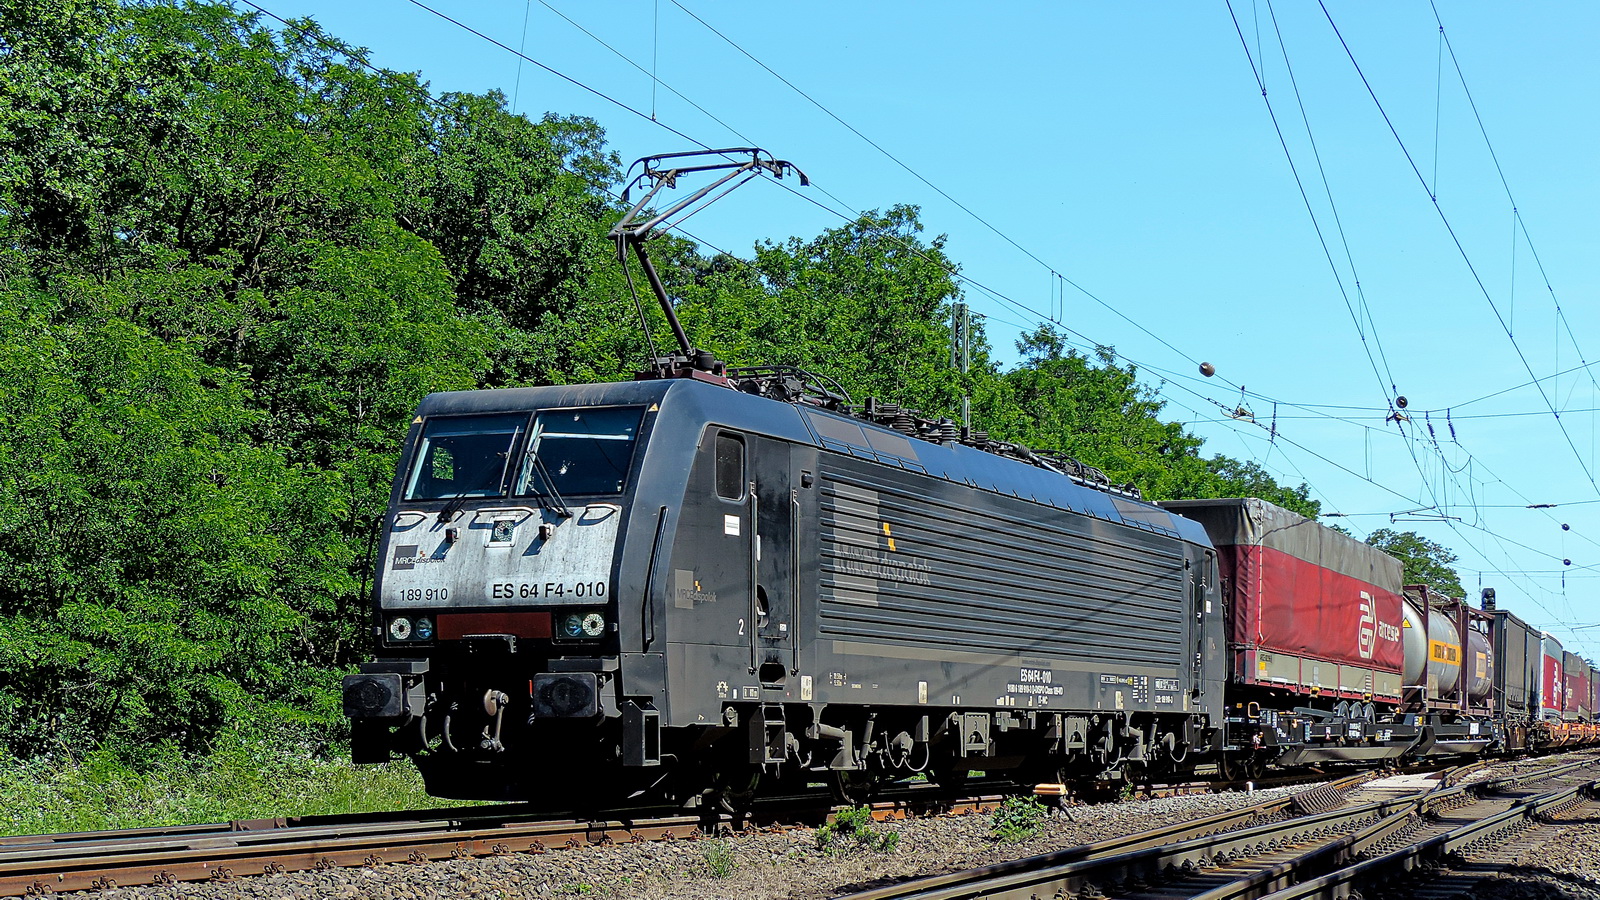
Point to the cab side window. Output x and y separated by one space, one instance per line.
730 466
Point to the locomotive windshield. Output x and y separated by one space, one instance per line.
464 456
582 451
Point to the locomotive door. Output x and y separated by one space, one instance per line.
774 560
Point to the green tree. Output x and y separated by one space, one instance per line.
1097 411
215 326
867 303
143 538
1246 478
1425 562
517 212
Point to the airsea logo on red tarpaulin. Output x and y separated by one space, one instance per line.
1367 634
1370 629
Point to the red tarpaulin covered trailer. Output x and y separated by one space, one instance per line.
1575 694
1552 686
1309 609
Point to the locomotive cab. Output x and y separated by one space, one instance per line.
524 582
495 608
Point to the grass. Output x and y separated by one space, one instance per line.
1017 819
855 826
719 858
100 791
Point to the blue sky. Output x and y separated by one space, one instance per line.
1128 147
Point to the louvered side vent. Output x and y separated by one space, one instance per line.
923 562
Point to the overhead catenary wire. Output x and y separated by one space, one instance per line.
856 215
1466 258
1317 226
959 205
1398 419
1387 376
1444 39
1000 297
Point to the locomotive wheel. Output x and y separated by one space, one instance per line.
853 787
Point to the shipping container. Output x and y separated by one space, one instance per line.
1309 610
1449 653
1585 689
1517 659
1594 694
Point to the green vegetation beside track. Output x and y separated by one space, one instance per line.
47 795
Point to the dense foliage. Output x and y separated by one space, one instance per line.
1426 562
232 259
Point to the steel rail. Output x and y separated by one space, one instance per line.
37 864
25 842
1127 858
1434 847
1331 857
1250 862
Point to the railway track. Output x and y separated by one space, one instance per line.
1217 859
1451 847
42 864
33 865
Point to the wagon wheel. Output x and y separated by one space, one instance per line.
1230 767
1255 766
853 787
734 790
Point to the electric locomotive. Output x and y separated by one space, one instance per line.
677 586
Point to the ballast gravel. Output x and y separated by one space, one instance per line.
749 867
1564 865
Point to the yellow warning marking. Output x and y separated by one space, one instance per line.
887 535
654 407
1443 652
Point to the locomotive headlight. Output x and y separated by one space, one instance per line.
582 625
399 628
424 629
572 625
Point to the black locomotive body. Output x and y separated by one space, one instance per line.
676 588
